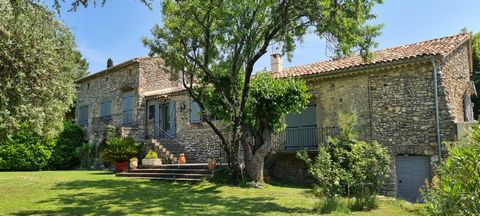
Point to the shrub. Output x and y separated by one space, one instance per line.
119 149
369 165
63 155
455 190
151 155
25 151
85 153
336 205
349 167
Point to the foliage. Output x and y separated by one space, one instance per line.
369 168
63 154
455 190
86 155
476 70
336 205
349 167
119 149
25 150
38 64
216 44
327 175
151 155
109 62
133 159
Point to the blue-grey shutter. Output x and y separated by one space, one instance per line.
194 112
172 118
102 109
108 108
83 115
128 109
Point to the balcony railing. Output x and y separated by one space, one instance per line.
303 138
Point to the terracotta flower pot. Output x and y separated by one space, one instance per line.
182 159
211 165
121 166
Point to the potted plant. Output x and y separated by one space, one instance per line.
119 151
211 164
151 159
134 163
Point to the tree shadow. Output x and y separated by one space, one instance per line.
120 197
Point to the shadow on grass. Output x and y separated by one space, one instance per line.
123 196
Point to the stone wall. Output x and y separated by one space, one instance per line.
394 105
199 138
137 76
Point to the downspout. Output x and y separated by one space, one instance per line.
437 112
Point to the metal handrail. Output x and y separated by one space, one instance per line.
179 144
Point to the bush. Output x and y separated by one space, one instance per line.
151 155
25 151
349 167
369 165
63 154
85 153
336 205
120 149
455 190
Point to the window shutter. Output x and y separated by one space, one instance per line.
194 112
172 118
128 109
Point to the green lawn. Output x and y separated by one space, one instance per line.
100 193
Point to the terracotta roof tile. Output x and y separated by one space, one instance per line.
439 46
165 91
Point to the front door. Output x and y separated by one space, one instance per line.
411 174
166 122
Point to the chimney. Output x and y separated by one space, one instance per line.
276 60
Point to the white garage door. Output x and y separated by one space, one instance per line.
411 174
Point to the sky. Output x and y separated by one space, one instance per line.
115 30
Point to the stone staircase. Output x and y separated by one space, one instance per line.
172 172
169 150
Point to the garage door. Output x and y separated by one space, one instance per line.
411 174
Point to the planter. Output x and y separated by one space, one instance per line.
151 162
133 164
120 166
182 159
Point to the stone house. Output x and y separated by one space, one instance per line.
408 98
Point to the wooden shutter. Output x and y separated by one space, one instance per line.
172 118
128 109
83 115
194 112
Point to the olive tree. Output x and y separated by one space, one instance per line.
38 64
216 44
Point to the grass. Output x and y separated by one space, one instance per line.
100 193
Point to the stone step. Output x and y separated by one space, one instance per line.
166 175
171 170
171 179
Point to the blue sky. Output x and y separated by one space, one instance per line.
114 31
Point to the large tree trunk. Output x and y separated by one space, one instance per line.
255 152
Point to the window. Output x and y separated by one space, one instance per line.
128 109
88 86
106 109
195 115
83 115
151 112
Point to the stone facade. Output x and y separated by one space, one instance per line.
131 77
395 106
394 103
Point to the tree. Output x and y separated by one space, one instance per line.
476 70
38 64
109 62
216 44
